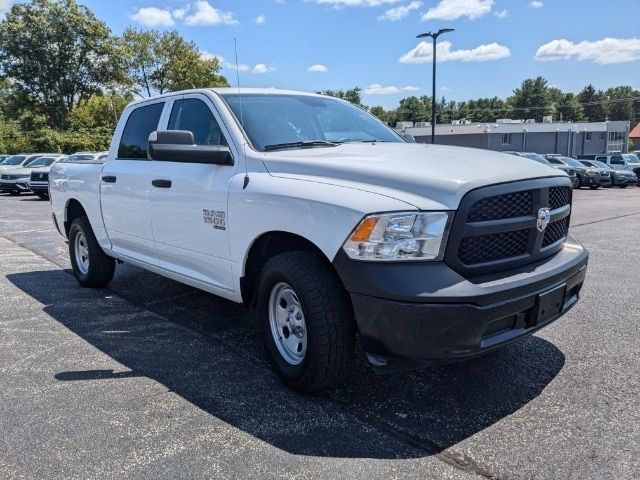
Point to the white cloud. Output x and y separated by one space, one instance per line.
423 53
377 89
205 14
179 13
398 13
153 17
262 68
260 19
536 4
502 13
223 61
454 9
317 68
355 3
602 52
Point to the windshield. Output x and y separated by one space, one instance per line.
42 162
601 164
272 120
14 160
572 162
631 158
537 157
80 157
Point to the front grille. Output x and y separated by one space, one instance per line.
11 177
555 232
488 248
511 205
496 228
559 197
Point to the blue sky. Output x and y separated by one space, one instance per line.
371 43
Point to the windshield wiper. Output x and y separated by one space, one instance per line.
301 144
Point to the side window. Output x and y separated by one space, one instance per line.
617 160
555 160
135 138
195 116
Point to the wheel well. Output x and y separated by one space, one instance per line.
74 210
264 247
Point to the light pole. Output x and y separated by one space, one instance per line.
434 36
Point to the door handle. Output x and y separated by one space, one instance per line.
161 183
109 179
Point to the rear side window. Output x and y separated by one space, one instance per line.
135 138
617 160
195 116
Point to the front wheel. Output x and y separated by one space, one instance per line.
43 196
307 321
91 266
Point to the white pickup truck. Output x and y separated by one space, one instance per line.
330 223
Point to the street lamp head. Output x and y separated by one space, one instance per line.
423 35
436 34
445 30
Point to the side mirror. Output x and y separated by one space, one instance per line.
408 138
179 146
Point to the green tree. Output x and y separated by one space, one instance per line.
413 109
593 103
379 112
567 106
531 100
160 62
621 103
58 53
99 111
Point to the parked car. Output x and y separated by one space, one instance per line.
86 157
16 180
619 161
21 160
330 223
587 177
620 178
39 180
575 182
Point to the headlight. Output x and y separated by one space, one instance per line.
399 236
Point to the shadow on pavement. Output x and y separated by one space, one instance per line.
228 377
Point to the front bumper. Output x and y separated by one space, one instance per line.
428 312
14 186
625 180
39 187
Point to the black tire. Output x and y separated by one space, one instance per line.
14 194
624 186
43 196
595 187
101 267
328 316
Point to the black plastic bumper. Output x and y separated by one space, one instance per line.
428 312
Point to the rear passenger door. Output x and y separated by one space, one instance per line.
189 205
125 185
618 162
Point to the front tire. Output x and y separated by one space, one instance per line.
91 266
43 196
307 321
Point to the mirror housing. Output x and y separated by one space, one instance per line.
179 146
408 137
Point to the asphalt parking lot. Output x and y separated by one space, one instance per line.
153 379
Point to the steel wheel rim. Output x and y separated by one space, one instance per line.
287 322
81 250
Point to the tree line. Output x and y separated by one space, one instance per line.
65 79
533 99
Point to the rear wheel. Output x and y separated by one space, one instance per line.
90 265
14 194
307 321
43 196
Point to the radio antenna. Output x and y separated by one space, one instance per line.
244 144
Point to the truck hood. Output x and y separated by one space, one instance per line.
429 177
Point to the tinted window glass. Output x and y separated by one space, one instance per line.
14 160
135 138
196 117
617 160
